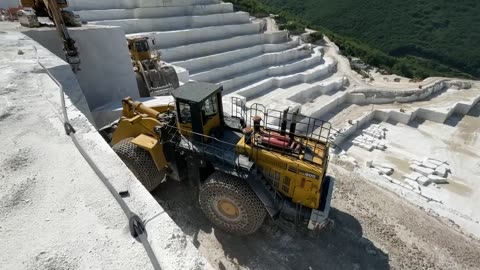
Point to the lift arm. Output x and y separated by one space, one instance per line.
71 51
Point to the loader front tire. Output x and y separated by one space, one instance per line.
231 205
140 162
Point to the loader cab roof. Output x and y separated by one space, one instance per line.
196 92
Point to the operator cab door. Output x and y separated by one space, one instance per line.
185 117
200 117
199 109
211 114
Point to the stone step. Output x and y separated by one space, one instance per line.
308 93
177 23
237 81
322 105
269 84
170 39
203 64
131 4
291 94
154 12
261 62
193 52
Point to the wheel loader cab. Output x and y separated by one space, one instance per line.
139 48
241 174
199 109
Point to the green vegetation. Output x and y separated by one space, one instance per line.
315 37
254 7
295 28
413 38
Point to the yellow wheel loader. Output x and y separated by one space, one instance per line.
154 78
246 165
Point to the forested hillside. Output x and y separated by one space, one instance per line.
421 37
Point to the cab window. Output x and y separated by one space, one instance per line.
185 113
141 46
210 106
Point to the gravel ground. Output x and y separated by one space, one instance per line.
372 229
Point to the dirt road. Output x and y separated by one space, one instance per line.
373 229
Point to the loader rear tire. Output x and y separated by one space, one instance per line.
140 162
231 205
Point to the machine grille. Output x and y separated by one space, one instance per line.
286 184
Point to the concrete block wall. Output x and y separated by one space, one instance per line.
102 82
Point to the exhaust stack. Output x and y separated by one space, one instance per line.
293 124
283 126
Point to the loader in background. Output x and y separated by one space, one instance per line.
244 166
154 78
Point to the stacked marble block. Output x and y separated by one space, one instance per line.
428 171
381 168
371 138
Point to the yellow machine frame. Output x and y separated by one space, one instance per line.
192 140
293 177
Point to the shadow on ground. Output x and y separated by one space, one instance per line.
475 111
341 246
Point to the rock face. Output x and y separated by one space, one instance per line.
207 41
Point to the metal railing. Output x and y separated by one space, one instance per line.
207 147
292 133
